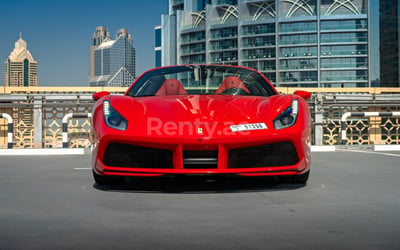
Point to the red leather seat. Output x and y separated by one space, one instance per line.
171 87
231 82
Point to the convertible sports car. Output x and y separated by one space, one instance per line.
197 120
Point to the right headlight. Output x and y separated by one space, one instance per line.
112 118
288 117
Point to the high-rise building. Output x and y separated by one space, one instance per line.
112 61
100 35
305 43
157 47
20 69
389 43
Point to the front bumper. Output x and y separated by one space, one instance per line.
255 158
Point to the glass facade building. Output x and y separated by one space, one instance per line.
389 43
303 43
100 35
113 61
157 47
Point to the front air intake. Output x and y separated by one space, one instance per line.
126 155
267 155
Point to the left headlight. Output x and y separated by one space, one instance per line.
288 117
112 118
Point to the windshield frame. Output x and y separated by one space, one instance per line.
155 77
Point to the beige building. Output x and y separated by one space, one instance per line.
20 69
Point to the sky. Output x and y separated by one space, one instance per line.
58 33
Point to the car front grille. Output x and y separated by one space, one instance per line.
267 155
200 159
126 155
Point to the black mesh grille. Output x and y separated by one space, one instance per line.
125 155
268 155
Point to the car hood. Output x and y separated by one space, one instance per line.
201 108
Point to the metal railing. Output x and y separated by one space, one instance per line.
362 114
37 116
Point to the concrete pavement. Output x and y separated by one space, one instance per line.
352 201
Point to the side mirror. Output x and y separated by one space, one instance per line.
98 95
304 94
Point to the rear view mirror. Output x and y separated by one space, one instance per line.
304 94
98 95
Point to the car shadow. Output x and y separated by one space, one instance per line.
203 184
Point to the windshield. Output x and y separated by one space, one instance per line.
201 80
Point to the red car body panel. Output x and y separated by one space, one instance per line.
188 124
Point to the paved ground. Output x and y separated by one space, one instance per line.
352 201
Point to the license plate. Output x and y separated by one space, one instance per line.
247 127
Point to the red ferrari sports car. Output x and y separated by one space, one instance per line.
201 119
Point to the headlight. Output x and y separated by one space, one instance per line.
112 118
288 117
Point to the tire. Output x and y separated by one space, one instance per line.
298 179
104 180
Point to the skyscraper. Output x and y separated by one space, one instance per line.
302 43
389 42
100 35
20 69
157 47
112 61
